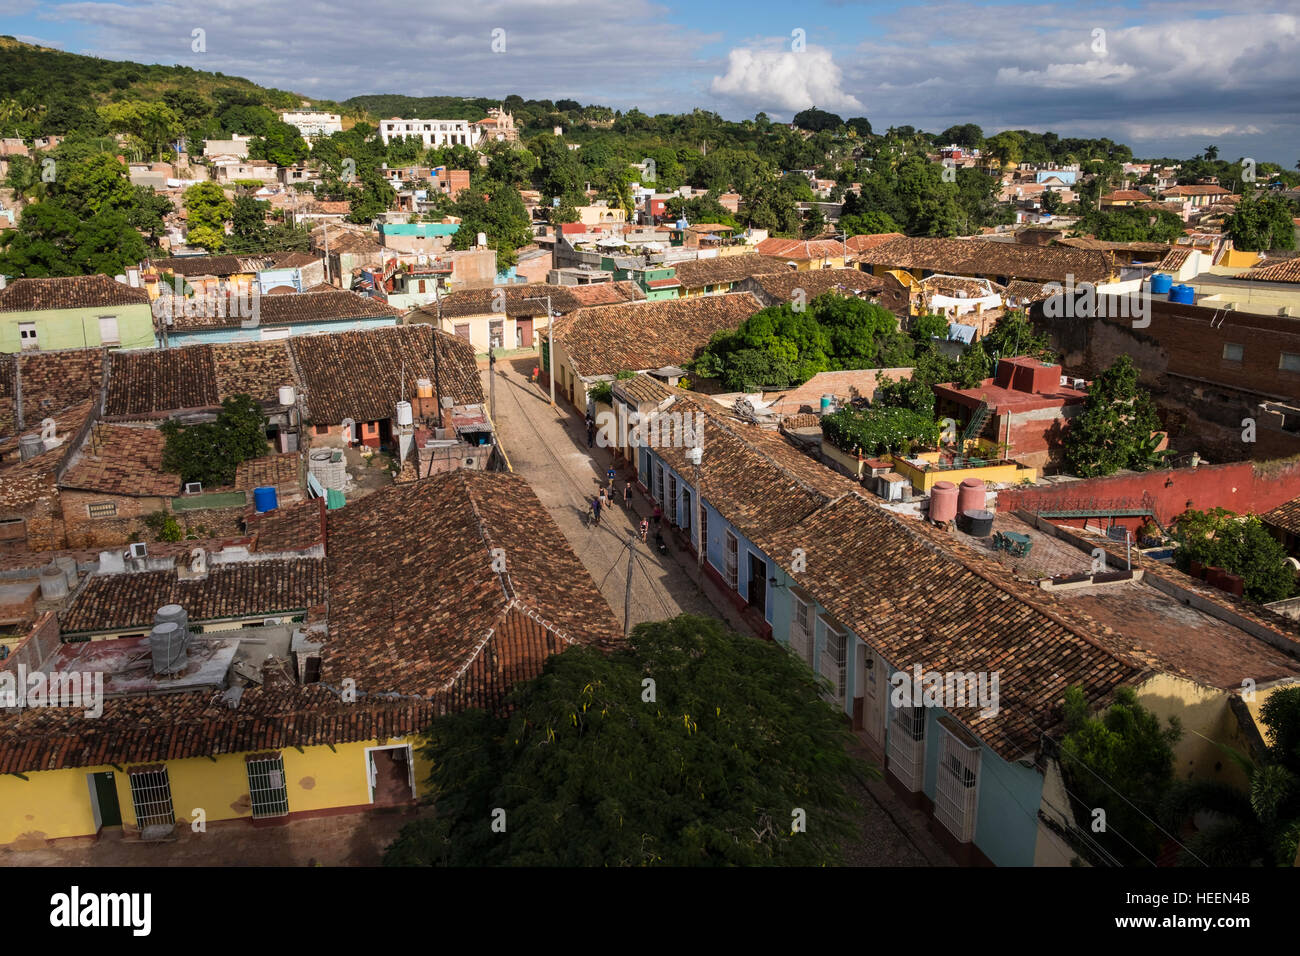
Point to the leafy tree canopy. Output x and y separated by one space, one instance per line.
591 773
1219 538
210 452
1115 429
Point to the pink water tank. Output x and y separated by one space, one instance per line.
943 502
971 495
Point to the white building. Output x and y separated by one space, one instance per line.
431 132
311 123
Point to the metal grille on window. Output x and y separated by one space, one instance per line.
801 637
151 794
267 787
670 505
102 509
834 662
907 747
704 529
955 792
733 562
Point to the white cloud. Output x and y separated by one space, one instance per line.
784 81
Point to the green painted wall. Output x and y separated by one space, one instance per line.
75 328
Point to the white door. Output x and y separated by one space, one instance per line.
874 695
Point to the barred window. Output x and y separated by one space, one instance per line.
267 786
102 509
151 795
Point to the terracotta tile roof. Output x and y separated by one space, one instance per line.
1173 260
1196 191
529 299
22 482
1287 271
846 385
72 292
781 286
642 388
752 475
52 381
351 243
1103 245
294 260
415 605
1126 195
198 266
251 368
863 243
268 471
152 382
605 293
332 305
697 273
8 419
1026 291
357 374
295 527
989 257
648 335
663 283
1285 516
149 729
129 599
802 249
923 599
122 460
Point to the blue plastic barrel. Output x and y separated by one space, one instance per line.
1161 283
264 499
827 401
1182 294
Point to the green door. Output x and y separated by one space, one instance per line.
110 814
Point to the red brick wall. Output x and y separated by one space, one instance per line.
1243 487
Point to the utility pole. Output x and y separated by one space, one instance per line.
627 594
492 378
329 278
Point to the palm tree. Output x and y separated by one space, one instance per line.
1211 153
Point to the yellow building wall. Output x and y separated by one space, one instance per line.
924 481
56 804
1239 258
1207 720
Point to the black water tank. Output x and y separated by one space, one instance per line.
978 523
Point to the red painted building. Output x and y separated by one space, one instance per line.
1024 407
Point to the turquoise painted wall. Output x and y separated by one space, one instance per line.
238 334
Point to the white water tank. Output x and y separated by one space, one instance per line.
54 583
167 647
287 395
403 413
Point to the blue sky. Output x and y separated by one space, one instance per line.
1166 77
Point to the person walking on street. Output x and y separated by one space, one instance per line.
591 432
627 495
610 473
595 508
604 498
645 528
659 514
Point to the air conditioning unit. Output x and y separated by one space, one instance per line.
194 487
139 550
1080 383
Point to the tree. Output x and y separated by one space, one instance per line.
207 210
1211 153
147 213
872 223
704 773
280 143
1121 762
1259 225
51 241
210 452
153 123
1115 425
927 327
93 185
373 199
817 120
1013 334
1243 546
860 125
249 232
497 211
